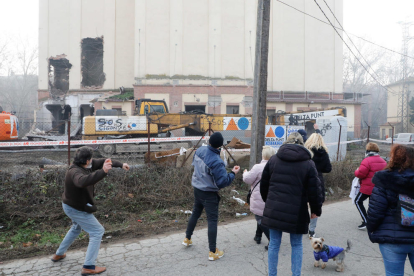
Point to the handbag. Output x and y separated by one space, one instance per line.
405 211
354 189
249 195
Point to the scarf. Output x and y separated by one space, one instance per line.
371 153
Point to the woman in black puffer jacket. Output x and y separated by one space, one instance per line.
385 225
289 182
316 144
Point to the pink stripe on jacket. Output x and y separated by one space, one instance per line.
252 177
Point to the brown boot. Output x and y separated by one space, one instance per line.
57 258
97 270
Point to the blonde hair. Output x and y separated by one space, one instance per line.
268 152
372 147
294 138
315 141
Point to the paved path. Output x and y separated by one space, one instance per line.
164 255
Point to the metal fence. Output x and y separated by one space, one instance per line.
42 145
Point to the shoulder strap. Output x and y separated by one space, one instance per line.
256 184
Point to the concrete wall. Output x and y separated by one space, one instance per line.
63 24
127 106
216 39
210 38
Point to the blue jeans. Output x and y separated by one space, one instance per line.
273 255
394 256
87 222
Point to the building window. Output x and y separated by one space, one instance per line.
93 75
232 109
195 108
270 112
120 112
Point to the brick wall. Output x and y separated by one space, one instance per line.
176 92
42 94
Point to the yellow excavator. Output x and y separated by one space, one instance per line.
152 118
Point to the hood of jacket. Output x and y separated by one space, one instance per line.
393 180
318 154
294 153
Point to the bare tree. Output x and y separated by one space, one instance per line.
18 86
383 67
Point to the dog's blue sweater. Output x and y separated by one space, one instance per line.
327 252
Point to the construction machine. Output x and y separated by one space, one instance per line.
153 118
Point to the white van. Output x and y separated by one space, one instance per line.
403 137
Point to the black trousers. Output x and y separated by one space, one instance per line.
210 202
261 229
359 202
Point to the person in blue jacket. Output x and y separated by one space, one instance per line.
386 221
210 175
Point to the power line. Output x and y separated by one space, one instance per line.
350 48
350 39
388 49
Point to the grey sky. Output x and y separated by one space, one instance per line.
374 20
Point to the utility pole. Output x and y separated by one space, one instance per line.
260 81
403 112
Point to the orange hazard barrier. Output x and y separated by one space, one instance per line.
9 127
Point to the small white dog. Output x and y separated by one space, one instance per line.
324 252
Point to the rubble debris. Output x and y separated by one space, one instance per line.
238 144
59 68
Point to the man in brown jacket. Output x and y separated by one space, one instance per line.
78 205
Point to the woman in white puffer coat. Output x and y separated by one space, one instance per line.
257 204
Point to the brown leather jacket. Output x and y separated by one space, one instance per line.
79 183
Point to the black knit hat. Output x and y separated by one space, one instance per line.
216 140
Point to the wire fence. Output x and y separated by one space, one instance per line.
44 145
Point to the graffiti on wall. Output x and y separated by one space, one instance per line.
120 123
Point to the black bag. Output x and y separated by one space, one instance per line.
90 208
249 195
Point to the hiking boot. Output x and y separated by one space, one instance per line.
258 240
312 234
362 226
215 256
187 242
97 270
57 258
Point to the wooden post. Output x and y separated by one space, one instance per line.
339 140
392 135
368 131
149 140
69 139
260 81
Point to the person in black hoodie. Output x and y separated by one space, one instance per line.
316 144
289 182
388 223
